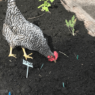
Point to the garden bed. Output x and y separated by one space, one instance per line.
77 73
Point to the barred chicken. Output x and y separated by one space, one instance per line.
20 32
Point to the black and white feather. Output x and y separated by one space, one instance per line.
20 32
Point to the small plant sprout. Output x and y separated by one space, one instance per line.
70 24
45 5
42 66
28 64
63 84
77 56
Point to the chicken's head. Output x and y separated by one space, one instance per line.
53 58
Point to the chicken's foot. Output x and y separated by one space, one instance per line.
10 54
25 55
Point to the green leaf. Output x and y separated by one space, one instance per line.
45 8
47 4
67 23
51 1
72 25
73 18
70 22
74 21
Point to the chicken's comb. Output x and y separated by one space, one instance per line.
56 55
52 59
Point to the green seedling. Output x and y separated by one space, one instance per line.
77 57
63 84
70 24
45 5
42 66
28 64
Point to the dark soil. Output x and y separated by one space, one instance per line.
78 75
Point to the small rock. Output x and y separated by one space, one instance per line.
1 67
12 64
10 60
50 72
25 89
64 91
40 75
18 91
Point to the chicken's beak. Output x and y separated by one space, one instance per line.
54 61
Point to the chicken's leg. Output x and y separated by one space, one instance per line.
10 54
25 55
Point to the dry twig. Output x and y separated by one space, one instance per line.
64 53
37 16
